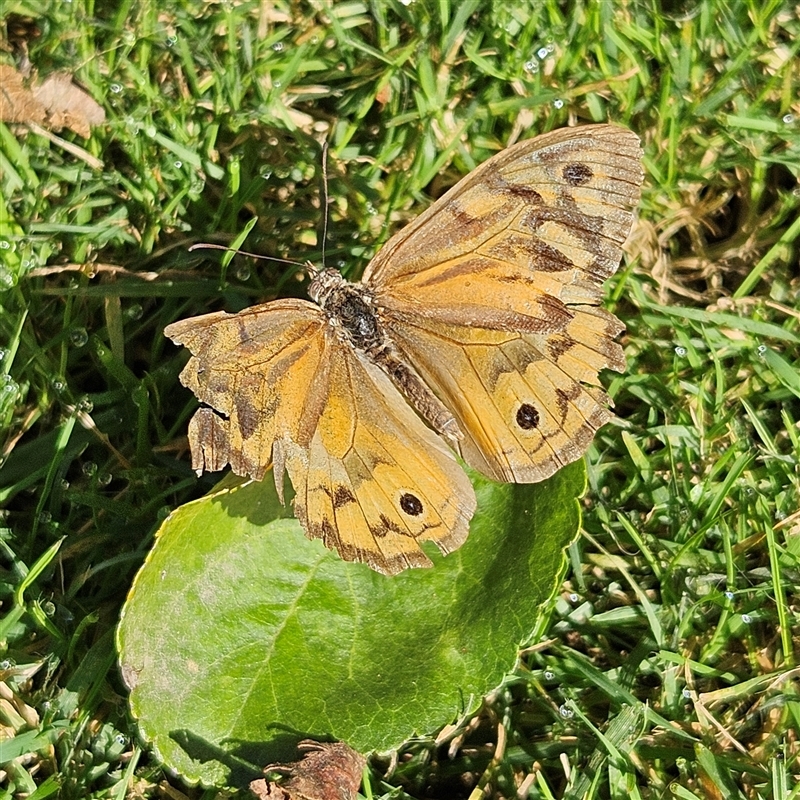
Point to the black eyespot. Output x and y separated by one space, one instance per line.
577 174
527 417
411 504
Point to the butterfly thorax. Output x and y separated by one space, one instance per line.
349 309
355 319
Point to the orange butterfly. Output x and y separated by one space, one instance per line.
476 325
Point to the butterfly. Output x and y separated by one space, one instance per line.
476 329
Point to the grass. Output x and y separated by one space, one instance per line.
668 666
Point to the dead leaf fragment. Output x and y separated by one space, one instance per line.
17 103
55 103
326 772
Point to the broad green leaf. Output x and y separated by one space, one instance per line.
240 636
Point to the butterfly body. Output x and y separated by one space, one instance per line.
478 324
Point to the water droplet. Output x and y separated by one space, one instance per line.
115 88
266 174
6 663
788 119
78 337
85 405
277 84
566 712
680 351
164 512
687 693
243 272
7 279
120 739
8 386
104 478
747 619
172 40
128 38
761 350
49 608
89 469
551 46
558 104
134 311
549 674
58 385
406 3
4 244
729 595
573 598
542 53
278 47
64 484
45 517
178 164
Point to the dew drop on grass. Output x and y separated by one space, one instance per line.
542 53
85 405
278 47
104 478
761 350
558 104
680 351
115 88
49 608
7 280
58 385
573 598
134 311
243 272
8 386
729 595
549 675
788 119
89 469
45 517
531 66
687 693
747 619
78 337
565 712
5 244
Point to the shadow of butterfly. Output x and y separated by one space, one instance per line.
475 329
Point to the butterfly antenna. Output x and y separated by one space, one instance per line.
209 246
325 198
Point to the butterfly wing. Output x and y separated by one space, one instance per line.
371 480
491 294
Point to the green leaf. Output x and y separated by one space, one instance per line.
240 636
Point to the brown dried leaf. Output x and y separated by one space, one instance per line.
68 106
326 772
56 103
17 103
